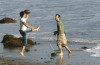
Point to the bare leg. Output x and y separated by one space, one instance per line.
23 48
60 48
35 29
68 49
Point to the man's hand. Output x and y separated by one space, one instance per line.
55 32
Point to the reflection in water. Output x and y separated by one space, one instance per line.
63 61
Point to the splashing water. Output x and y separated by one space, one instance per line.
95 50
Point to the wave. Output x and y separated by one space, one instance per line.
44 38
2 34
50 37
53 38
95 50
84 41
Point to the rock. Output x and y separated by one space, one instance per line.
53 54
35 49
11 41
51 58
84 47
41 58
27 50
46 61
7 20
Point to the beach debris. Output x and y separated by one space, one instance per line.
84 47
12 41
35 49
27 50
51 58
41 58
7 20
53 54
47 61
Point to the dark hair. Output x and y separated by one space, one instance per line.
21 13
58 15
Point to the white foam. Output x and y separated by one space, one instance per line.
88 50
50 36
95 50
95 55
1 34
85 40
44 38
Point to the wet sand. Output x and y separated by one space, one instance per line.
16 61
41 55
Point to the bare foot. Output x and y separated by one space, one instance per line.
61 54
22 54
38 28
69 56
69 52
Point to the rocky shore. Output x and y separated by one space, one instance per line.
7 20
12 41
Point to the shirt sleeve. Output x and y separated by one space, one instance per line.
59 24
23 20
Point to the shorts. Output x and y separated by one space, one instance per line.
61 40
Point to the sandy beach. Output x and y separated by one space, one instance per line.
14 61
42 56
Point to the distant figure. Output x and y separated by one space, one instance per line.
61 37
25 28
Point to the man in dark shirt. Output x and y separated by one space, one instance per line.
61 38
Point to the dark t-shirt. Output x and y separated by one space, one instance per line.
62 27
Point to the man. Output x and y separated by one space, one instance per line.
25 28
61 38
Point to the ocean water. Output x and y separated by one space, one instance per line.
81 19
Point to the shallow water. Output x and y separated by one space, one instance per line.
42 54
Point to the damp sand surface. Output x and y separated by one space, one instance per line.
41 55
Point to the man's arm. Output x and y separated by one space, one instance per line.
59 28
56 32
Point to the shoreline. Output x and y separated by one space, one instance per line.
41 55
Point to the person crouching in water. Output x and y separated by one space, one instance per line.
61 37
25 28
